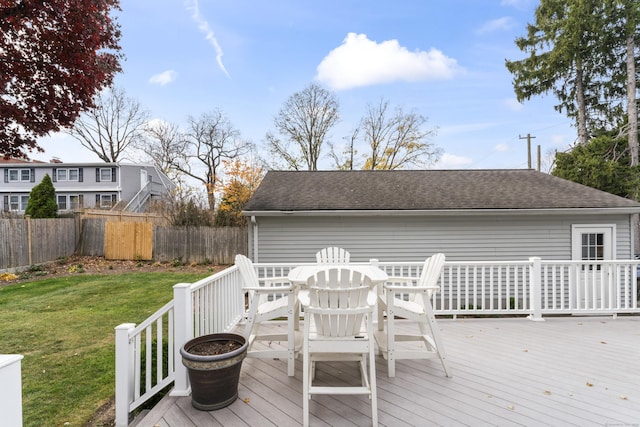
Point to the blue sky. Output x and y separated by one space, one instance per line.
441 59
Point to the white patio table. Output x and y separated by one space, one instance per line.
299 275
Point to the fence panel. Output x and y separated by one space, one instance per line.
14 250
128 240
91 237
53 238
26 242
199 244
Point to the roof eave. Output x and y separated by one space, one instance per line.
451 212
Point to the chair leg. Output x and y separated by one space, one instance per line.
391 346
437 339
291 336
372 380
306 378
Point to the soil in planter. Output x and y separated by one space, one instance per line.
214 348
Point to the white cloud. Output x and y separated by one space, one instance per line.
513 104
501 148
500 24
363 62
203 26
451 161
163 78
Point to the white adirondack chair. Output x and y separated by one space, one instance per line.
417 308
276 298
332 255
338 310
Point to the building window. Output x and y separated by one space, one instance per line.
19 175
18 203
71 202
75 203
62 203
67 174
105 201
105 174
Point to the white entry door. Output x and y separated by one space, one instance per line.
595 281
143 178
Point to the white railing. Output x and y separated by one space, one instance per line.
570 287
534 287
147 356
216 304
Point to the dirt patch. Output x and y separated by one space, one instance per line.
75 265
105 416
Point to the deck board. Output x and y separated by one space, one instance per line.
570 371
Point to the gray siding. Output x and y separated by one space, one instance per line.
125 186
410 238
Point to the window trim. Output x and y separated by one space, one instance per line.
609 243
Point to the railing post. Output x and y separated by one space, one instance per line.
376 315
535 289
124 373
183 322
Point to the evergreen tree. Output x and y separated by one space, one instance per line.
602 163
564 46
42 200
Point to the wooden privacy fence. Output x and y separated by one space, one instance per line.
128 240
25 242
199 244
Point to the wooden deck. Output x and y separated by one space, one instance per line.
565 371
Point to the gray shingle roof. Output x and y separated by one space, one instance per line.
425 190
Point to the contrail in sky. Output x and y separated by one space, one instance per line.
203 26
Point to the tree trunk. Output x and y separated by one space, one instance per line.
632 114
632 109
582 107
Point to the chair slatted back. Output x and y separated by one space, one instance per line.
250 278
248 273
431 271
338 301
333 255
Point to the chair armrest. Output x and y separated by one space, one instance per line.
401 279
303 298
276 280
411 289
268 289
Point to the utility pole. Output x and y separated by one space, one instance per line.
528 138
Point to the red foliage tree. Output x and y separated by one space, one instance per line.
55 56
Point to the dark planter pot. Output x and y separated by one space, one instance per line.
214 379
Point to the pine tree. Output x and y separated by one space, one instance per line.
42 200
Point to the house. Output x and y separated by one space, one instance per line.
82 185
470 215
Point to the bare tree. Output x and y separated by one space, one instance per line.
209 140
303 123
110 127
396 140
163 143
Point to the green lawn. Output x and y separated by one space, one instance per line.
64 327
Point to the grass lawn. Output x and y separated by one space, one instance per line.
64 327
